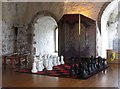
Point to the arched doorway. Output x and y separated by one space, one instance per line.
45 35
109 28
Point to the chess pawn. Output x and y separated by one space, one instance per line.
40 66
58 60
34 68
50 65
62 61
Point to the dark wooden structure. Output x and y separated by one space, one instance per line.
77 36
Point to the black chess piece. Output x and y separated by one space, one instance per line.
80 69
89 66
104 63
72 72
92 63
82 72
85 72
76 69
86 67
99 65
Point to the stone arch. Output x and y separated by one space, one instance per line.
100 15
102 19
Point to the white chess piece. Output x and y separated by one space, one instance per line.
50 65
45 61
40 66
62 61
34 68
55 61
58 60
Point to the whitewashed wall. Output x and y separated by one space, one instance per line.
44 35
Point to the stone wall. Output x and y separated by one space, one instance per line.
8 19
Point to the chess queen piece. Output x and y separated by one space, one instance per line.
34 68
62 61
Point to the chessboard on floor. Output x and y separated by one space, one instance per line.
58 71
61 71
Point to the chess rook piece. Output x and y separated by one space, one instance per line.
34 68
62 61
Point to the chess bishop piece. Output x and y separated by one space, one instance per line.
62 61
34 68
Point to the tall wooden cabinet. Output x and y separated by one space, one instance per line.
77 36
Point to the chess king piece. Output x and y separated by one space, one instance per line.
62 61
34 68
